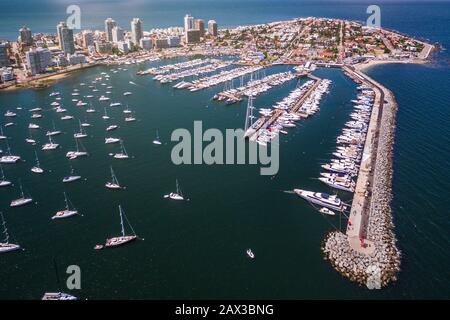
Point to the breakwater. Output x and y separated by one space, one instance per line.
367 252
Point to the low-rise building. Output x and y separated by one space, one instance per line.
145 43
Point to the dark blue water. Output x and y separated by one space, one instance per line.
196 250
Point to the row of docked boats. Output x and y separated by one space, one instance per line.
341 170
213 66
174 67
254 87
284 113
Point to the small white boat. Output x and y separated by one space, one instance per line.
130 119
3 182
127 93
115 104
10 114
67 117
30 141
157 141
105 116
36 116
250 254
9 124
326 211
123 153
50 145
81 134
103 98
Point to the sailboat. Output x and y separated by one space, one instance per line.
130 118
75 154
9 158
37 168
2 136
114 183
67 212
3 182
57 295
175 195
127 110
123 153
91 109
30 139
117 241
50 145
22 200
81 134
72 177
157 141
6 246
54 132
105 116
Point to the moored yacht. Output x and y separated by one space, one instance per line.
67 212
321 199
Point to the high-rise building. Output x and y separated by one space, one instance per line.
188 23
212 28
123 46
173 41
25 36
65 38
117 34
38 60
192 36
103 47
109 25
136 31
4 57
146 43
87 38
200 25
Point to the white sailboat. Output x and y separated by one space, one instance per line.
3 182
175 195
67 212
157 140
50 145
105 116
75 154
54 132
9 158
111 140
22 200
37 168
112 127
123 152
114 183
81 134
2 136
117 241
5 246
72 177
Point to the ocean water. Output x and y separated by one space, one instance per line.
196 249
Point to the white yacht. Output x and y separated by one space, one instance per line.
111 140
326 211
33 126
130 118
5 246
127 93
76 154
103 98
115 104
67 212
9 158
321 199
67 117
36 116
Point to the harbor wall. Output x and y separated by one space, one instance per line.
367 254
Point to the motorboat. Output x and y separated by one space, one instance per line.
321 199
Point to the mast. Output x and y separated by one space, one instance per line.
121 221
37 159
123 147
65 200
249 114
5 231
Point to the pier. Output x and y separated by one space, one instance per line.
367 252
265 122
